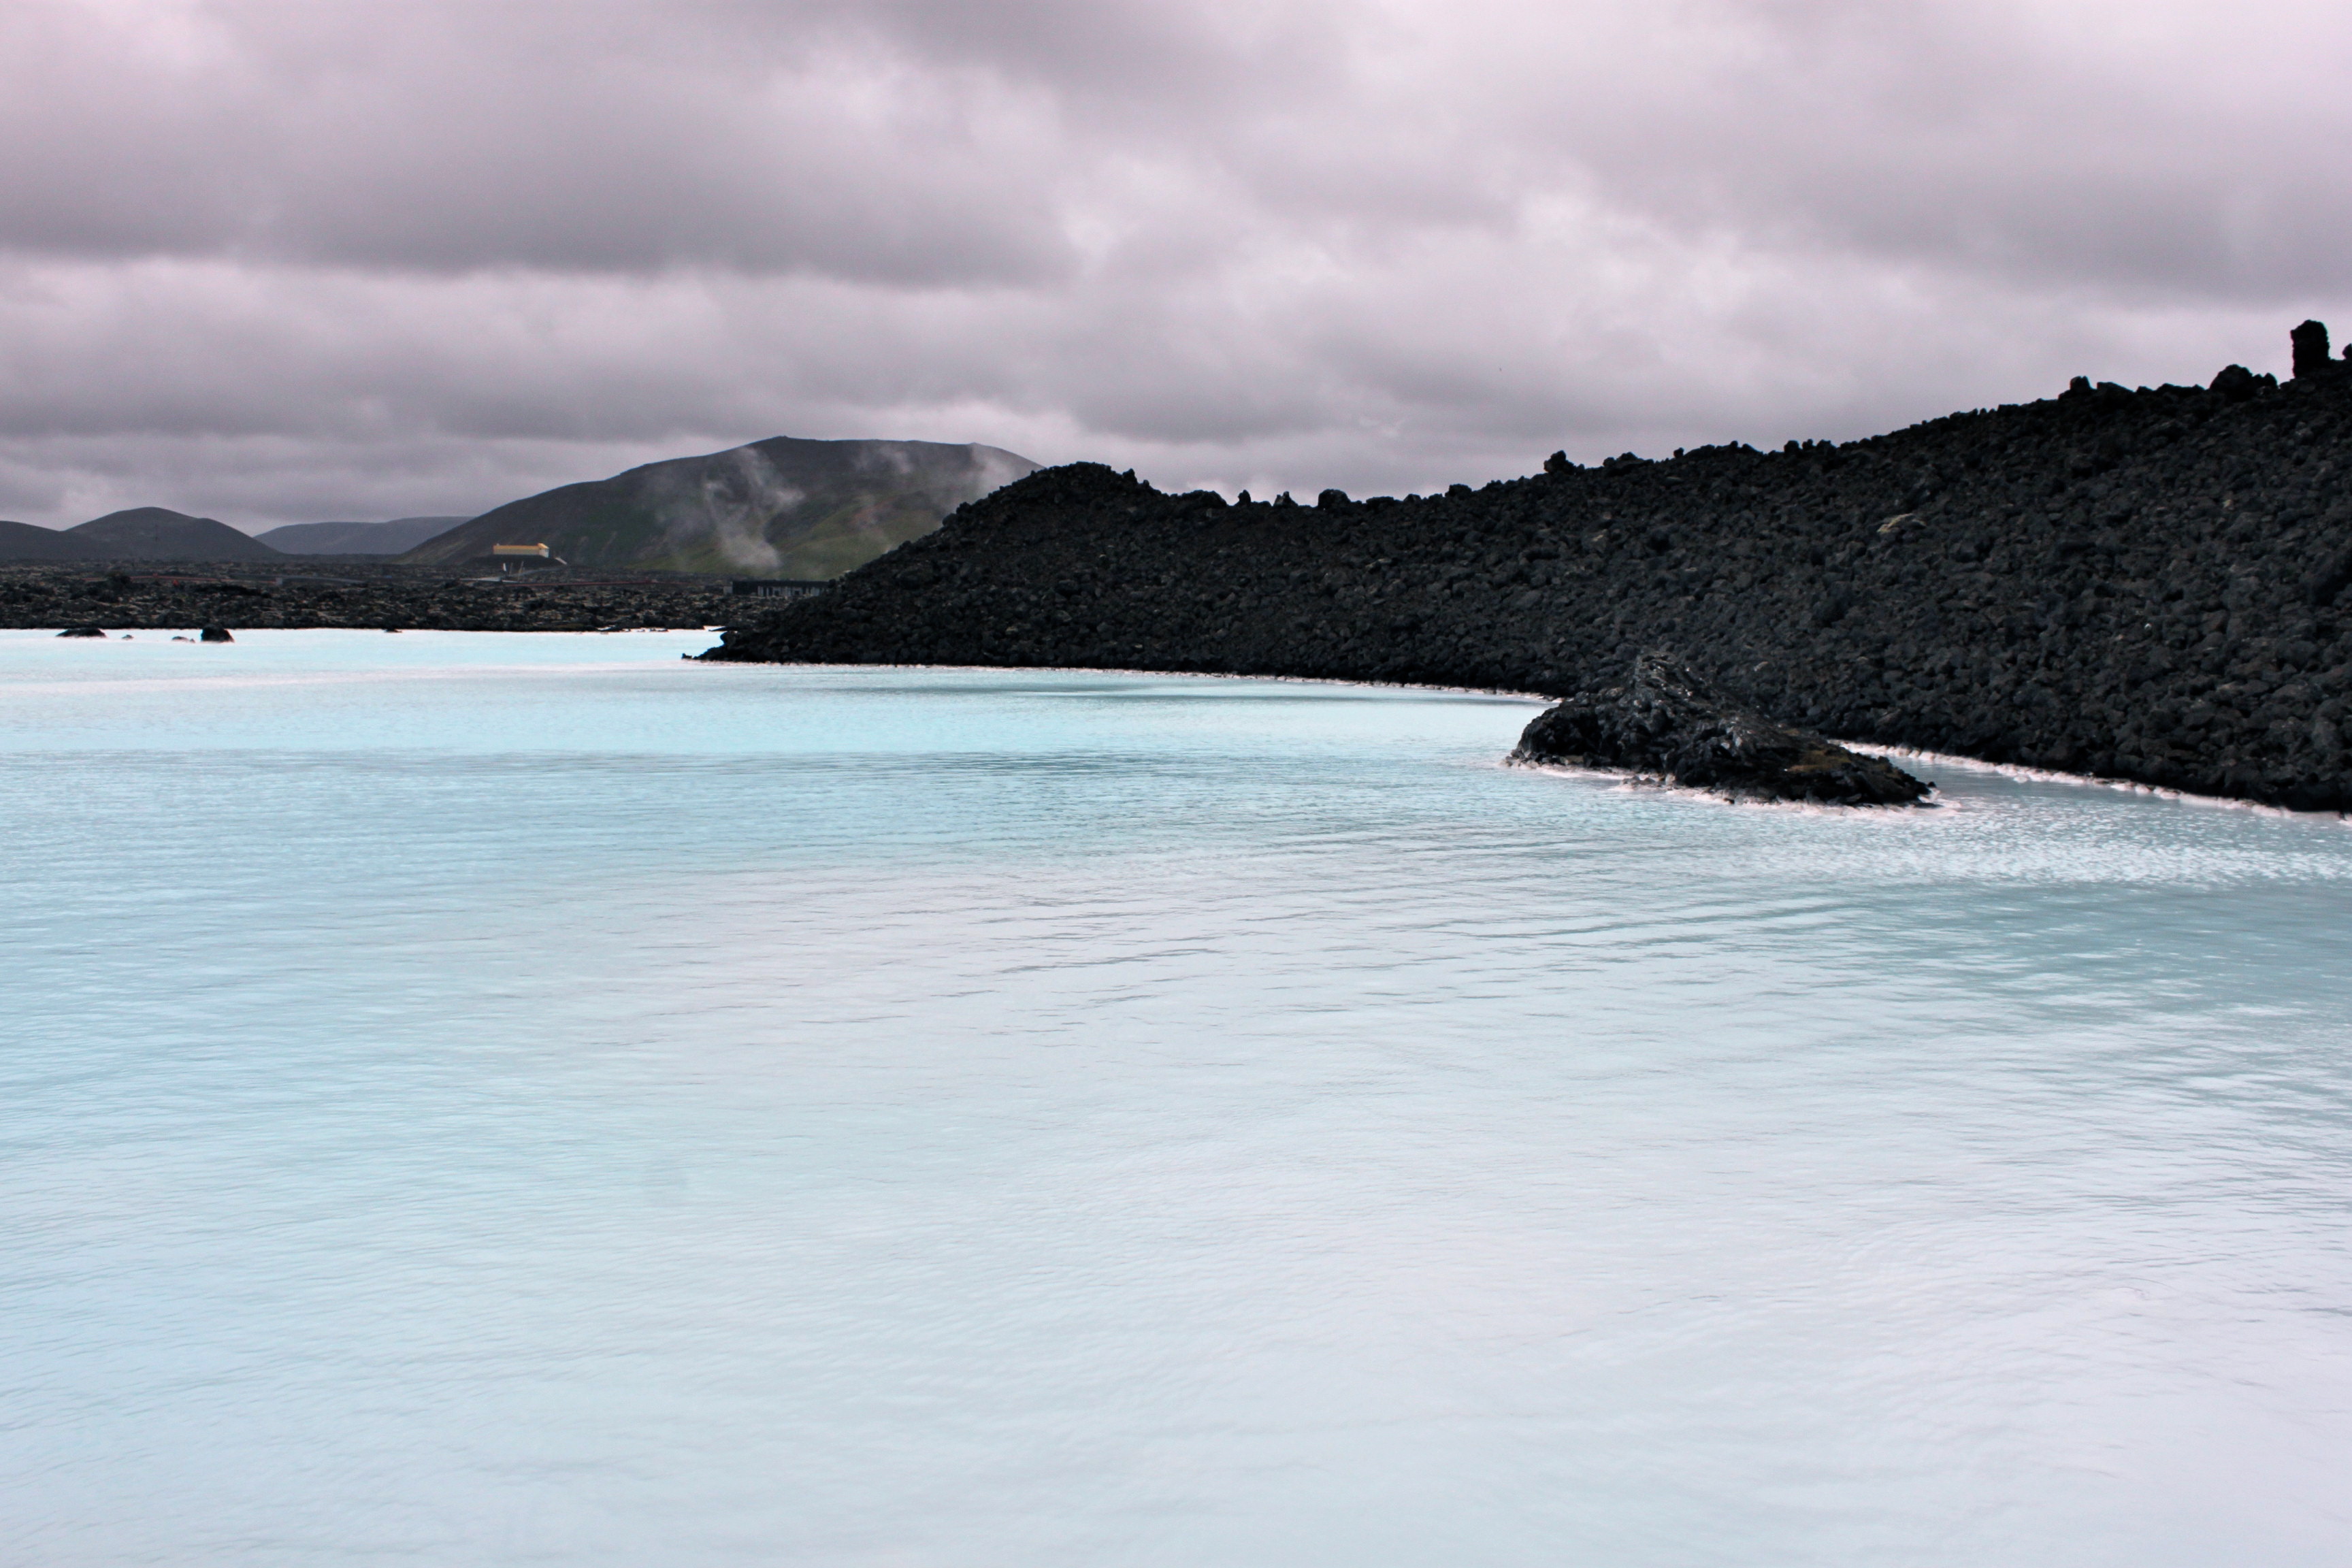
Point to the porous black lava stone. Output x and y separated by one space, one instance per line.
1666 721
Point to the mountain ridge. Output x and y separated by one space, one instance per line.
159 534
784 507
390 538
30 541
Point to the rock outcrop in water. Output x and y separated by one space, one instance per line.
1667 722
2145 585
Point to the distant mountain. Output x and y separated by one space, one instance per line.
155 533
23 542
356 538
779 508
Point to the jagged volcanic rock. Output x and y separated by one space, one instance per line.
2145 585
1667 722
2311 355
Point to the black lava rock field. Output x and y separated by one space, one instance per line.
147 595
2148 585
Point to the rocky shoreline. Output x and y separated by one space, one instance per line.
150 596
2140 584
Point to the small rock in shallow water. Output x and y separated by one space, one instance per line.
1669 723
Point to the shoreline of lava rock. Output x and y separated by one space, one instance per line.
2144 584
135 596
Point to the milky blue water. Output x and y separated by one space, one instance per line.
478 1099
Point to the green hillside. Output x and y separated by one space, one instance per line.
779 508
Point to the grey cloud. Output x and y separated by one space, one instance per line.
457 137
2165 146
926 142
275 261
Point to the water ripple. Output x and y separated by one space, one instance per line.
497 1099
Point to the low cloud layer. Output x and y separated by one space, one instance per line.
275 262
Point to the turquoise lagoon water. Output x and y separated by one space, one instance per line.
478 1099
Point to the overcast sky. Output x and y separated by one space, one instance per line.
275 261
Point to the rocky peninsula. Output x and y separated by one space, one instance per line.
2137 584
